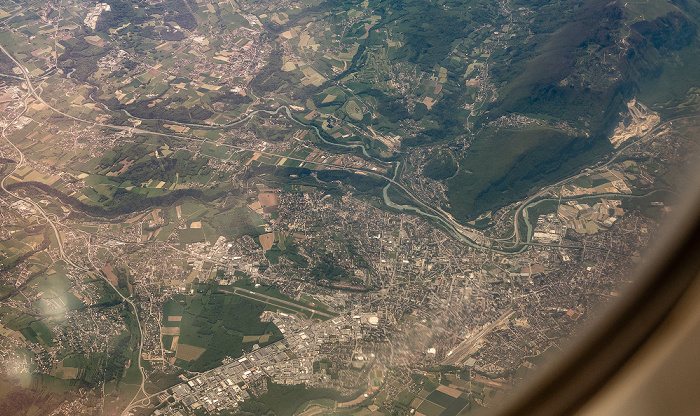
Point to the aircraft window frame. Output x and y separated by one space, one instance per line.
610 341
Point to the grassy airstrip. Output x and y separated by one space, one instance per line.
202 329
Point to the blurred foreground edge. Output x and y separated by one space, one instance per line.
642 357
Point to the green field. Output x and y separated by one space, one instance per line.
191 235
273 292
194 106
354 110
284 400
440 398
405 397
429 408
217 322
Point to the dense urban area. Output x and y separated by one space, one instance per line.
296 208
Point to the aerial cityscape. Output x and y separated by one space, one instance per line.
318 207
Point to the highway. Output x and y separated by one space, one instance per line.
465 233
515 243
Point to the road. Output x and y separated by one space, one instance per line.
62 254
468 235
522 207
459 353
515 242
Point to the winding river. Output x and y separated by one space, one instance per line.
435 214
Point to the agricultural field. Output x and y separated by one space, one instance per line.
200 330
379 180
210 326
